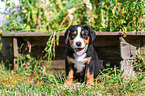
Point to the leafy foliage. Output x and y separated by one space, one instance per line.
122 15
139 63
57 15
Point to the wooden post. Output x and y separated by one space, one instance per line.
16 54
128 53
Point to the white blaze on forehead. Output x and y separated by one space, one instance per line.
78 39
79 30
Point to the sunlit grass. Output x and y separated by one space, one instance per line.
12 83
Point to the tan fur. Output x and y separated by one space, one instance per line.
68 35
89 78
68 59
75 32
69 78
86 42
89 59
83 32
71 42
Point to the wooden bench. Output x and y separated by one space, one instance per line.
111 47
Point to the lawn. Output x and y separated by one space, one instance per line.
20 84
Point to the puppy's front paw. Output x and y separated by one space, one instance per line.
67 83
90 83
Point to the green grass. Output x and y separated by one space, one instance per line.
18 84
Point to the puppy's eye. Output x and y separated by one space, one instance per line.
73 35
83 32
75 32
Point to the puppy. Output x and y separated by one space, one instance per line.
81 60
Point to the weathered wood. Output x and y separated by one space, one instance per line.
16 54
127 67
129 46
142 47
58 64
23 34
128 49
109 47
131 33
31 34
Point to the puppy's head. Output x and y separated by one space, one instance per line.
79 36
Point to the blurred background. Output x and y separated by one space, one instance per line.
57 15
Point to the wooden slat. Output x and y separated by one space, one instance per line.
128 49
119 33
31 34
16 54
107 33
23 34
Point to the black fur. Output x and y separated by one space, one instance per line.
94 65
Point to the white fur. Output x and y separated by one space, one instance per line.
79 61
78 39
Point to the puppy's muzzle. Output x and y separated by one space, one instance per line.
78 43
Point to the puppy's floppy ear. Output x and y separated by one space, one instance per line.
91 32
67 34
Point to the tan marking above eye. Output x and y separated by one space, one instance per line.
71 42
75 32
83 32
86 42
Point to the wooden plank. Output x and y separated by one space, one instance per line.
24 34
31 34
16 54
131 33
128 50
142 47
58 64
127 67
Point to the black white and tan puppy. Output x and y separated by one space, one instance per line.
81 60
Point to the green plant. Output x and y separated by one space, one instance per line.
43 16
29 65
139 63
104 15
54 16
116 15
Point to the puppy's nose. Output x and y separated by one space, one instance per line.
78 43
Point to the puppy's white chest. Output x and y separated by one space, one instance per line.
79 62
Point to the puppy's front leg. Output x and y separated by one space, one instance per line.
70 72
89 77
69 78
